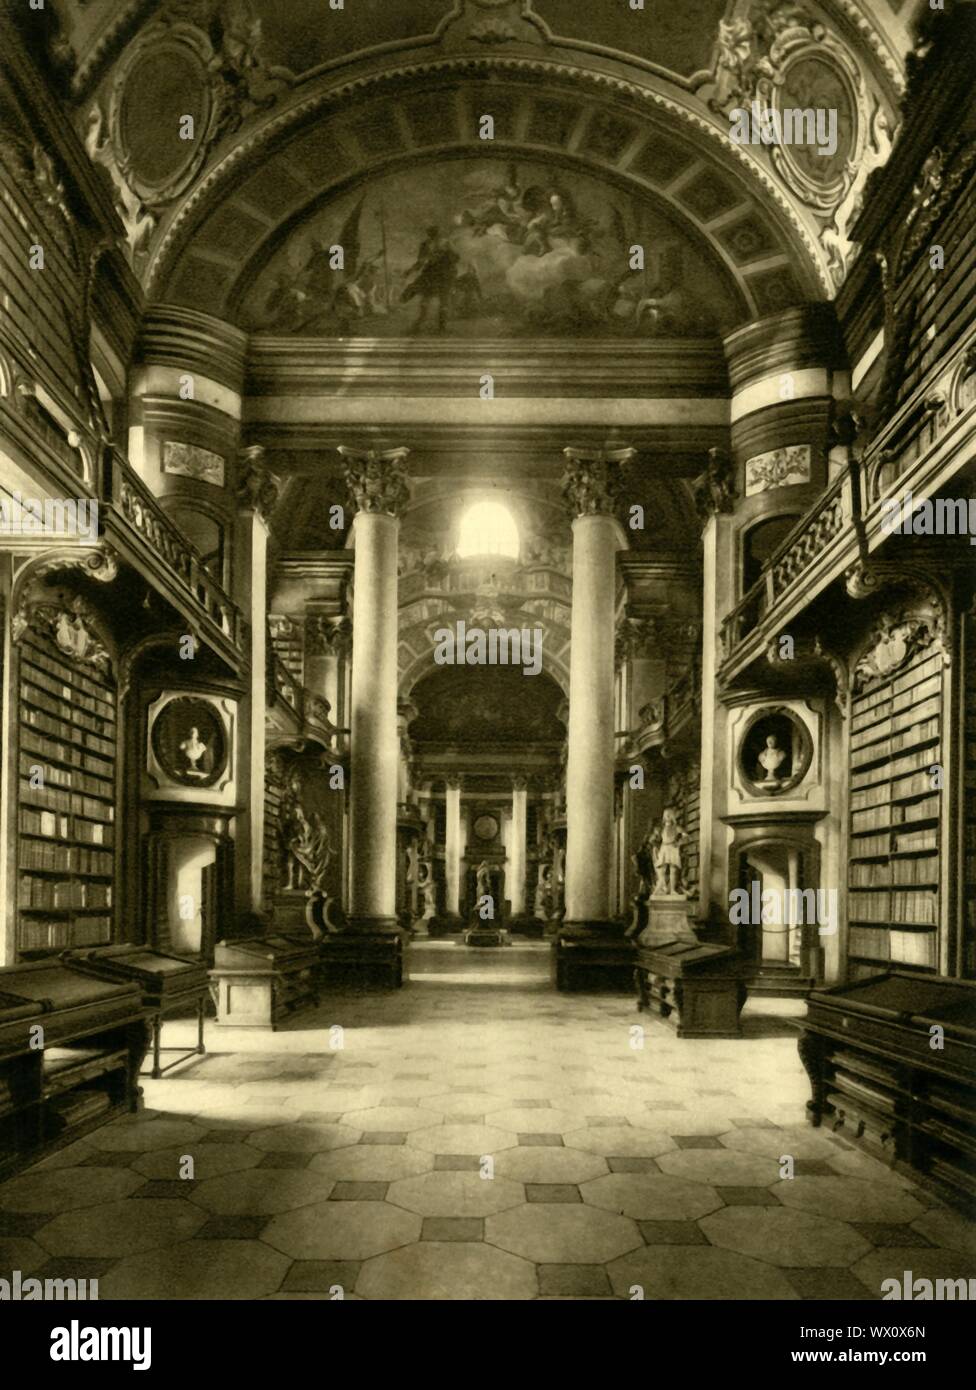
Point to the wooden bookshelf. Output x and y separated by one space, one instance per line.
967 962
65 815
894 899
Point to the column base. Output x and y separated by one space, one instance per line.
592 955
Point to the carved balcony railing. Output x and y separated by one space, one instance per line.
127 497
793 559
662 719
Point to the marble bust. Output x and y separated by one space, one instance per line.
771 759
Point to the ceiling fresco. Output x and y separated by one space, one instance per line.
484 248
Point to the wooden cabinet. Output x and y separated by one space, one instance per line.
70 1051
257 981
698 987
892 1065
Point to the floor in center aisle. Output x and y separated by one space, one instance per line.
362 1167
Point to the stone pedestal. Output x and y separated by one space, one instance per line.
668 919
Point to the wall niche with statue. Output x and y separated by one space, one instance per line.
774 753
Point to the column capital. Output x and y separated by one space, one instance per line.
327 634
377 481
715 490
454 781
258 489
519 782
591 480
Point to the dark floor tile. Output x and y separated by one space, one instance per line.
285 1158
547 1141
22 1223
671 1233
232 1228
747 1197
452 1228
315 1117
411 1076
67 1267
812 1168
159 1187
237 1135
696 1141
531 1104
383 1136
605 1121
456 1163
880 1234
828 1283
319 1276
573 1281
108 1160
633 1165
552 1192
359 1192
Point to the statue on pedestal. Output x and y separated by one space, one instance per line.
666 841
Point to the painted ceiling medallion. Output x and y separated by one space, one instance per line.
165 77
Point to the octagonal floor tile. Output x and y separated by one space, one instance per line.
651 1196
892 1262
794 1239
721 1167
67 1189
447 1270
19 1252
342 1230
456 1194
392 1118
463 1102
463 1139
373 1163
848 1199
121 1228
209 1161
542 1163
562 1233
198 1269
620 1141
680 1272
532 1120
773 1143
263 1191
305 1138
948 1229
149 1134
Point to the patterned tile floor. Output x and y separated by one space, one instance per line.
363 1167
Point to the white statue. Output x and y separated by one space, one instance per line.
771 759
666 842
193 750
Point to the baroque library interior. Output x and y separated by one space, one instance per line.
488 649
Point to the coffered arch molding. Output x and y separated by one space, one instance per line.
619 89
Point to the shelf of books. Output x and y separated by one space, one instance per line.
967 964
895 847
66 801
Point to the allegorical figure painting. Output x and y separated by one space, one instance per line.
484 248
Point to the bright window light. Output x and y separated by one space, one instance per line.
488 528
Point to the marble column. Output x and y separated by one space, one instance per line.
257 493
378 488
516 861
452 848
590 486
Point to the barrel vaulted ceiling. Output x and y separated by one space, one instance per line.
312 123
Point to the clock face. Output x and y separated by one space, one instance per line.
486 827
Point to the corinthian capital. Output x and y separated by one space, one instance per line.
592 478
258 488
377 481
